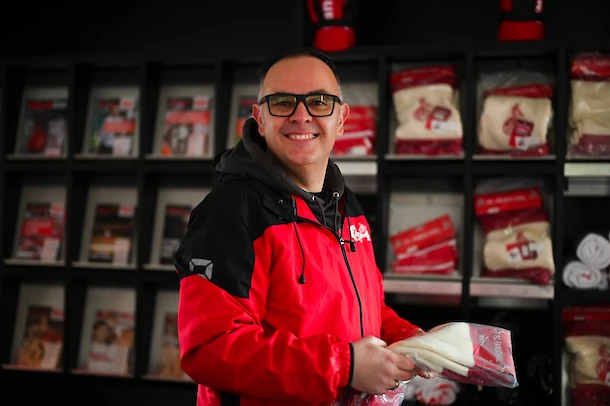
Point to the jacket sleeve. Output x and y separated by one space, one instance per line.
393 327
224 343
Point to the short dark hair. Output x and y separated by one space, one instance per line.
294 52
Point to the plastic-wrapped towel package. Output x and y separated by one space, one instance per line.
469 353
589 115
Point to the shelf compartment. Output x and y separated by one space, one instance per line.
426 285
509 288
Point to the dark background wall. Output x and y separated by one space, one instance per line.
224 27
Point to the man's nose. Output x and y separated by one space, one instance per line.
301 115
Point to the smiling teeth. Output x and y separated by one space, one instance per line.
301 137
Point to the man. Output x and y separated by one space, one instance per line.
281 301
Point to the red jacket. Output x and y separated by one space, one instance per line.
270 297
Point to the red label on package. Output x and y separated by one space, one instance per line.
591 66
534 91
429 75
603 365
514 200
423 235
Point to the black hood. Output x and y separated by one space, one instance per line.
249 159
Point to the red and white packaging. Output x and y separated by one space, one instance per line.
517 235
587 340
360 133
427 111
427 248
516 114
589 117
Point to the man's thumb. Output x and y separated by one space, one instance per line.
377 341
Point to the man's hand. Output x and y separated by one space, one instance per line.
377 369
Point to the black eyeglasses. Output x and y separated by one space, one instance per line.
285 104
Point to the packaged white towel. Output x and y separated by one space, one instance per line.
465 352
594 250
578 275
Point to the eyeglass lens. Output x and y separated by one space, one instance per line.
317 104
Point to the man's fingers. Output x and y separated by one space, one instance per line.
405 375
404 363
423 374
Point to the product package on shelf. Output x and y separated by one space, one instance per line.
42 231
111 342
45 127
42 341
186 131
589 116
588 269
427 111
429 248
469 353
360 133
114 126
516 114
587 340
517 234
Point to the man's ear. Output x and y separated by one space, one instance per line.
258 117
343 114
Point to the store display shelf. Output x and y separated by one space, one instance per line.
587 169
498 165
106 165
39 273
356 166
159 267
200 166
15 367
423 285
574 297
438 166
86 372
31 262
42 165
102 265
509 288
36 158
159 378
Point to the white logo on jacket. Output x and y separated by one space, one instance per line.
359 234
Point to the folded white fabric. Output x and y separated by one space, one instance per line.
594 250
464 352
433 391
578 275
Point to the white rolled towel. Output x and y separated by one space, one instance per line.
594 250
578 275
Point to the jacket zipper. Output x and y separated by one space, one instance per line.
349 269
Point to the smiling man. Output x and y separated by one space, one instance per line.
280 304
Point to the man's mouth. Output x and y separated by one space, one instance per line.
301 137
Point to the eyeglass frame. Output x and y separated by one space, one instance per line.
300 98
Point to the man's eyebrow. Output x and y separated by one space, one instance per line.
318 91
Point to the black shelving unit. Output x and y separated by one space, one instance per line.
145 173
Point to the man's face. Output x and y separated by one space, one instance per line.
290 138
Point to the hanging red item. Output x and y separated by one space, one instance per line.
521 20
335 23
